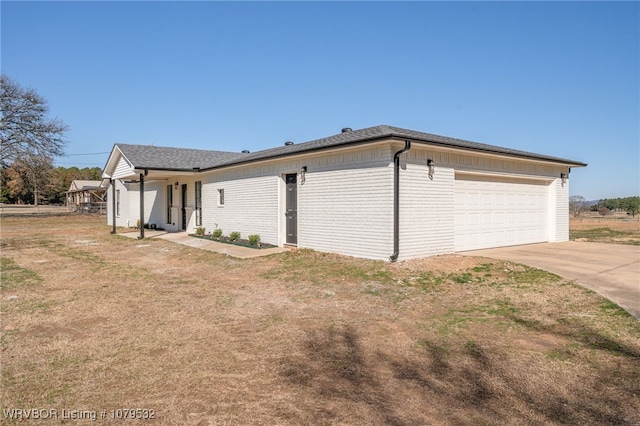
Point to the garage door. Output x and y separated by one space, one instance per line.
497 211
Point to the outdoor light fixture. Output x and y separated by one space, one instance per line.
432 167
563 176
303 173
176 184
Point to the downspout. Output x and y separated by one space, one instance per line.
396 200
142 205
113 195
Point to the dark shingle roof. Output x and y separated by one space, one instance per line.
383 132
154 157
165 158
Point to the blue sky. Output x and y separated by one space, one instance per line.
556 78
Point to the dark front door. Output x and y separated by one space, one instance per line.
292 209
183 206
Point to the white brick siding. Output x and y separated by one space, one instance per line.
348 211
561 209
250 205
426 211
346 203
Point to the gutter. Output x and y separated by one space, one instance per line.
396 200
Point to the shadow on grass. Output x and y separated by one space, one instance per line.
334 368
466 385
583 333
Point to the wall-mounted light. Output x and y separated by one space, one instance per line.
303 175
176 184
432 167
563 177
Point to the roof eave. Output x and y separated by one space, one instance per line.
524 156
288 154
401 137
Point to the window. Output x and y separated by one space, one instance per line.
169 202
198 203
117 202
221 197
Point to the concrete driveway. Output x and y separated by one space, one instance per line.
611 270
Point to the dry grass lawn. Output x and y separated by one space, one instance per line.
92 321
618 228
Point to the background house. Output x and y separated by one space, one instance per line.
87 196
381 192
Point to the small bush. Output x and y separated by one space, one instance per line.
254 240
234 236
217 233
200 231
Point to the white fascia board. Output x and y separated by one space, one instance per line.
510 157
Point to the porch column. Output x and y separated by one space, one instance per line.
141 206
113 195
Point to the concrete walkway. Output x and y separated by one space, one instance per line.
611 270
204 244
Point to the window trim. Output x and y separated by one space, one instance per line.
220 197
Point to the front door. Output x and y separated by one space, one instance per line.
183 206
292 209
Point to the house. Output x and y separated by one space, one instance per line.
382 193
87 196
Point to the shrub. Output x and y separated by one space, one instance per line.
234 236
217 233
254 240
200 231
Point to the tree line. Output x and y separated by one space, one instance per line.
578 205
26 183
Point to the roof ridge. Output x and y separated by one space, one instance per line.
175 148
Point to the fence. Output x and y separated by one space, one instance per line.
99 207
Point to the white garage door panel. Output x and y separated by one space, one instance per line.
495 212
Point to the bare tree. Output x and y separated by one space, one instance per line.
603 211
577 205
25 132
